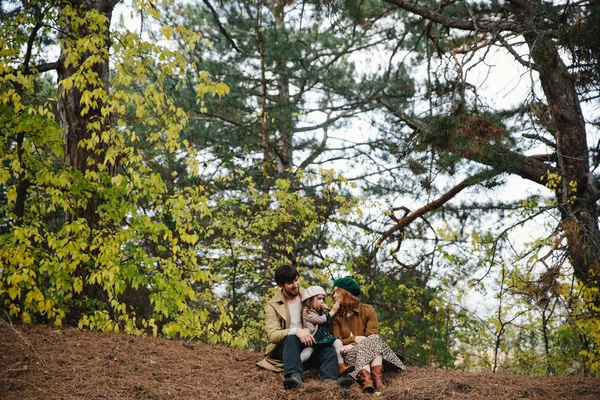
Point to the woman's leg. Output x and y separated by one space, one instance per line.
364 376
368 350
376 371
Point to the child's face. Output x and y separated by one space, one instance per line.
318 301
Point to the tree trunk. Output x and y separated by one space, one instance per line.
575 197
284 148
75 125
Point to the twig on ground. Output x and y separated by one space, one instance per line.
27 342
187 344
15 371
441 396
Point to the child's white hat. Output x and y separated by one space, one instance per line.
312 291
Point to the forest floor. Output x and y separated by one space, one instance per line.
39 362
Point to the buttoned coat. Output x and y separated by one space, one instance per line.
361 322
277 321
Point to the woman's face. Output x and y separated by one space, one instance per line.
337 295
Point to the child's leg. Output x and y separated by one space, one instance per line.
343 369
306 353
337 345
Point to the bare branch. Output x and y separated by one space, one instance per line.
516 55
318 151
45 67
409 218
221 27
539 138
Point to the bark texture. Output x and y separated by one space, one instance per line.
75 123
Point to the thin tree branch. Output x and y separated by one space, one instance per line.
221 27
547 142
45 67
516 55
409 218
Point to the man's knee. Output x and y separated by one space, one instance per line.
328 364
328 353
292 341
291 338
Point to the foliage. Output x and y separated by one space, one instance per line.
415 320
56 270
155 185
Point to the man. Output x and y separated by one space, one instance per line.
287 338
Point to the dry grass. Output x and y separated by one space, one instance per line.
37 362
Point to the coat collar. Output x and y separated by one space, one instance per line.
279 298
279 303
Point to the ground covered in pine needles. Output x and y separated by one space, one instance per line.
38 362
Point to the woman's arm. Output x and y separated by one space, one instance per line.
337 330
372 324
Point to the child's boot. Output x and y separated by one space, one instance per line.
344 369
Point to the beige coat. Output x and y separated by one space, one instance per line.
277 321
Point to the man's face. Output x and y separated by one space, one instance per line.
291 289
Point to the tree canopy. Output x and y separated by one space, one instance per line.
156 170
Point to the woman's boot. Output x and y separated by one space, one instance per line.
376 375
365 379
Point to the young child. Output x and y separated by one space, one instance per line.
316 318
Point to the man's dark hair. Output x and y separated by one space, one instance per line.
285 273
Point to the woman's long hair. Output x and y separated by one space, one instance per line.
348 302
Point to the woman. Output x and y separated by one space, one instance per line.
356 325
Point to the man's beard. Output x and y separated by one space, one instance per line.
292 293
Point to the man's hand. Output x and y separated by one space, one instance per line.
305 337
345 349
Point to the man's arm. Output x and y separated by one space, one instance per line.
275 333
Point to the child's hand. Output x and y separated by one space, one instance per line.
345 349
325 307
335 308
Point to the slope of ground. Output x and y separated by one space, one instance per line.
38 362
